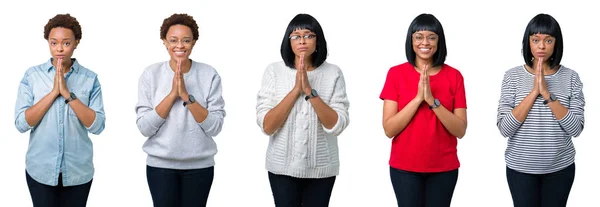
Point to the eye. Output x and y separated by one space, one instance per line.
173 41
432 38
294 37
187 41
67 43
310 36
53 43
535 40
419 37
549 41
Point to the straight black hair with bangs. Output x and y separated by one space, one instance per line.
426 22
304 21
543 24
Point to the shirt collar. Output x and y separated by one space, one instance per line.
74 67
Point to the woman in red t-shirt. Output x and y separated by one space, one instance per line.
424 111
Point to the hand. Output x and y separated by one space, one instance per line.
427 96
305 84
298 85
536 82
175 86
419 96
62 84
56 88
541 80
183 94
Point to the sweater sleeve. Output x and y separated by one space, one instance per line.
213 123
148 120
573 122
340 104
265 98
506 121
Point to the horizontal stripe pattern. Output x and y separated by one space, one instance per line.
541 144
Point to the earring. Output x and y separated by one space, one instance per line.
551 59
316 50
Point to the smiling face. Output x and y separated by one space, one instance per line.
303 41
62 43
425 44
179 42
542 46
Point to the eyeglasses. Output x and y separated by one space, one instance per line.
184 41
419 38
305 37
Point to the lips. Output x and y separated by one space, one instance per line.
425 50
179 53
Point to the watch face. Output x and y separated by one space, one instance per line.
552 97
436 102
192 99
313 92
73 95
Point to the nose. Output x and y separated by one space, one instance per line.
302 40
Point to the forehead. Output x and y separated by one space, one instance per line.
60 33
540 35
425 32
301 31
179 30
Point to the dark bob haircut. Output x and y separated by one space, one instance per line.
304 21
426 22
64 21
543 24
182 19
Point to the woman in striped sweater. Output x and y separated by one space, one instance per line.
540 109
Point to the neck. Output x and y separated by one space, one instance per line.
420 63
186 65
307 63
545 65
66 64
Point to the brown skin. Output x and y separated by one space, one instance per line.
394 121
62 44
179 43
303 50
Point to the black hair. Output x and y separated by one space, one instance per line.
426 22
304 21
543 24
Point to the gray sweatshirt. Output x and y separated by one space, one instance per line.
179 142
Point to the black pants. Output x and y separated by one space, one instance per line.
547 190
57 196
179 188
295 192
423 189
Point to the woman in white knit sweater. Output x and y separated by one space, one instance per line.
303 107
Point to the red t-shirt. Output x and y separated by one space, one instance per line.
424 145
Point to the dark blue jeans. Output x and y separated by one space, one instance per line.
57 196
415 189
179 188
296 192
537 190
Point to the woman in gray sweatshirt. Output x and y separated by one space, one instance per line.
180 109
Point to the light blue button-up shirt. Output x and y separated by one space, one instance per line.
60 142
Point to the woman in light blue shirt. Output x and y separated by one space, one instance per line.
60 101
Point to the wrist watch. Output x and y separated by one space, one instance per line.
191 101
72 98
436 103
552 98
313 93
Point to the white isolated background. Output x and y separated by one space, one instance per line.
240 38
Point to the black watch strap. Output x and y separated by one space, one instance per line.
72 98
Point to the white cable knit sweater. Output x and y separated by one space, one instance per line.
303 147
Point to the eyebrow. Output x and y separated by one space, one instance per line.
62 39
181 38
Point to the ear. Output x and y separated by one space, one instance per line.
76 44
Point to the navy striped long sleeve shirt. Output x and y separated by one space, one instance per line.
541 144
